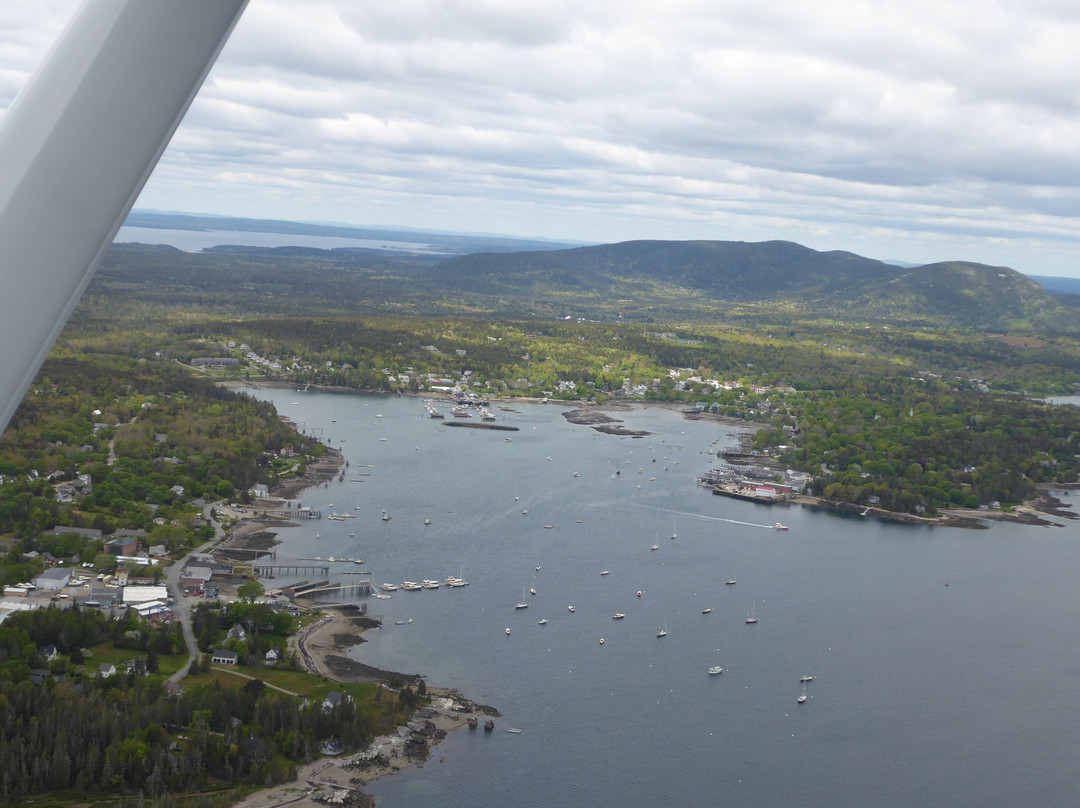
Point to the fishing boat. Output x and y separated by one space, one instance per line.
715 670
618 616
779 526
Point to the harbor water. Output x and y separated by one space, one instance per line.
943 660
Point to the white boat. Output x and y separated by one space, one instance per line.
807 678
730 581
383 596
706 610
427 521
674 529
411 586
514 730
385 516
508 631
663 632
524 511
571 608
618 616
605 572
523 604
655 547
715 670
547 527
388 587
428 583
542 622
802 696
751 618
779 526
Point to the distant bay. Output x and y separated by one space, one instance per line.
198 240
944 660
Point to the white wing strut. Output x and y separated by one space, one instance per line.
76 148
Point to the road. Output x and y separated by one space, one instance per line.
181 604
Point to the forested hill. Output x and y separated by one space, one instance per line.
838 282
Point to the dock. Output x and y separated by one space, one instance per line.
268 571
299 513
364 586
746 496
481 425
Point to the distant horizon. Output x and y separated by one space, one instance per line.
898 131
405 229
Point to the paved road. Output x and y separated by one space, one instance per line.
181 604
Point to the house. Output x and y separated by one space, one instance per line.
106 669
334 699
259 490
272 657
50 652
332 747
223 657
237 632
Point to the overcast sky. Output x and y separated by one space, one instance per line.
919 131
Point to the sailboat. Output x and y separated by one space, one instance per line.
802 696
674 529
751 618
523 604
663 632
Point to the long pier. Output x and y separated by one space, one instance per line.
299 513
366 587
294 569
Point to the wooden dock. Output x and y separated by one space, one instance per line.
268 571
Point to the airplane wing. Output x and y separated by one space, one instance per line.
77 146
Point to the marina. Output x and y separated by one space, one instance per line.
594 715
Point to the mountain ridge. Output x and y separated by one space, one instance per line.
770 272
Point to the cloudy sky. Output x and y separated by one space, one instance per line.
918 131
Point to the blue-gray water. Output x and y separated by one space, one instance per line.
198 240
925 694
